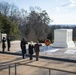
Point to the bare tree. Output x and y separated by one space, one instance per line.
38 21
4 8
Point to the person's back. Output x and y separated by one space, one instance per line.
23 43
36 48
30 49
23 47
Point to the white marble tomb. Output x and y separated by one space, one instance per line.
63 38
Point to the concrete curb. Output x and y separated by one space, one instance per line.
44 57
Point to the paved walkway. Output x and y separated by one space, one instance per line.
52 59
54 53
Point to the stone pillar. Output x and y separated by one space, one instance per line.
63 38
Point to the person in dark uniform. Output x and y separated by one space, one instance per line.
23 47
3 44
30 48
8 43
37 45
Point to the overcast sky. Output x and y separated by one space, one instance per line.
61 11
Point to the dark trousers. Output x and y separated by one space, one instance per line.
37 56
31 57
3 49
23 54
8 48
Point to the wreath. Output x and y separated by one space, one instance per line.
47 42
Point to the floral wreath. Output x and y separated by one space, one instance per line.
47 42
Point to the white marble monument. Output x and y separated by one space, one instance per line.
63 38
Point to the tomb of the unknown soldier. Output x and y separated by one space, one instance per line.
63 38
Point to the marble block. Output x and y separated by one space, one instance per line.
63 38
4 35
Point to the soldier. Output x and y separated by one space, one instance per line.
3 44
8 43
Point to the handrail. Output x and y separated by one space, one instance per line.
47 68
26 64
11 63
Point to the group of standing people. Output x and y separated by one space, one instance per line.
31 49
4 44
